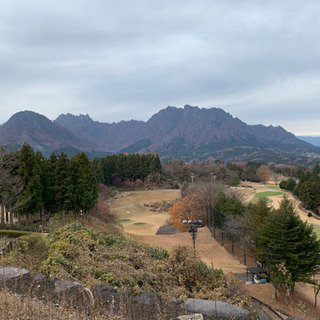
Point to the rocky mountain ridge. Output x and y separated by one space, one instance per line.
190 134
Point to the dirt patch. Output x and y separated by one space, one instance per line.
299 305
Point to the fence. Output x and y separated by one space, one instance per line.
225 239
236 248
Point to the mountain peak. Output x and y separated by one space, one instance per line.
71 117
189 133
27 115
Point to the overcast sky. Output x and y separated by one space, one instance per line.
120 60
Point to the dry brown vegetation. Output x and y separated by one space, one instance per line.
15 307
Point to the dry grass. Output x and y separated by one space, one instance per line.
15 307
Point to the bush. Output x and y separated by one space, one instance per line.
80 254
13 233
29 251
289 184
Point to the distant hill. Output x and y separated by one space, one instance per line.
313 140
38 131
189 134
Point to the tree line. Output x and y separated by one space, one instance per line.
179 172
306 188
33 184
110 169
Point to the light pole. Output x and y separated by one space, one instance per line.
193 229
192 177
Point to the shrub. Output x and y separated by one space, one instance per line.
80 254
28 252
13 233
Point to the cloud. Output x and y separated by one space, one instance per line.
121 60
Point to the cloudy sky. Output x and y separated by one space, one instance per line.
122 59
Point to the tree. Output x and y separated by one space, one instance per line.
256 216
84 183
316 169
11 185
315 281
63 188
187 208
288 184
30 174
308 195
155 165
229 205
263 173
288 246
234 181
207 194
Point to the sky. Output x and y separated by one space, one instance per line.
122 59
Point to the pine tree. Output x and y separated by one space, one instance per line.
316 169
63 188
97 165
284 240
307 194
256 216
30 173
11 185
84 183
155 165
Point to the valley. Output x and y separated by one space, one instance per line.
141 224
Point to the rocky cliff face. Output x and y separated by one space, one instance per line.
190 133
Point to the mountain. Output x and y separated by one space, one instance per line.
313 140
37 130
189 134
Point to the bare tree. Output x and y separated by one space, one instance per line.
207 196
263 173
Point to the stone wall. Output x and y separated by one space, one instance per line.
107 300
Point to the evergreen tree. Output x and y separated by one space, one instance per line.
308 195
289 184
11 184
63 188
155 165
234 181
284 241
316 169
229 205
84 183
256 216
30 173
50 202
97 165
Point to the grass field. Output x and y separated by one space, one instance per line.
139 223
274 187
125 220
268 194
